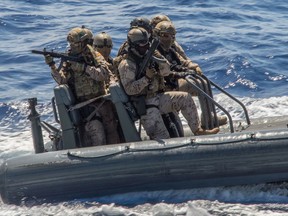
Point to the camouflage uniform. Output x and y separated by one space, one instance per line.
166 32
159 18
123 49
179 50
103 44
157 101
183 85
87 82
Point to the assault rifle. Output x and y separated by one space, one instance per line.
63 56
148 56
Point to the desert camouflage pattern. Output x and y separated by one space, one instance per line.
158 18
88 82
180 50
205 105
173 101
157 101
123 49
104 129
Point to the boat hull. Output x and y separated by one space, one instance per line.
180 163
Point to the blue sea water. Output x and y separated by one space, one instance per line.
240 45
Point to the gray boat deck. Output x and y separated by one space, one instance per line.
267 123
260 124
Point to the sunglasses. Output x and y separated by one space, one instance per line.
142 43
166 35
102 46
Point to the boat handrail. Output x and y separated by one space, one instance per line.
232 97
189 78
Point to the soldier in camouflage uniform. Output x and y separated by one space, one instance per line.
146 24
87 80
166 32
150 87
159 18
103 44
123 49
136 22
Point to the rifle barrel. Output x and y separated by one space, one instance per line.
63 56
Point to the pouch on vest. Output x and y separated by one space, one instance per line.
139 104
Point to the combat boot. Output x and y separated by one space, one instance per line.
222 120
201 131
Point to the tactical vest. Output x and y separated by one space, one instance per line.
116 62
157 82
83 86
170 82
109 63
170 55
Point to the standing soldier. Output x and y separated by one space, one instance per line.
87 81
149 88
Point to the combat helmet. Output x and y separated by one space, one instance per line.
89 33
138 40
102 40
165 27
78 38
158 18
141 22
166 32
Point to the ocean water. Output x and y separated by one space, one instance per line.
240 45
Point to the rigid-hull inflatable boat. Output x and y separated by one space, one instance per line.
252 153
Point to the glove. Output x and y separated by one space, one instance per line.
179 75
150 73
177 68
93 57
199 71
190 65
49 60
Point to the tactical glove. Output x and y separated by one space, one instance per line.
177 68
49 60
93 57
183 75
150 73
190 65
199 71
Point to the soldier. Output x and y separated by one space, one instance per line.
123 50
166 32
159 18
87 81
149 89
103 44
140 22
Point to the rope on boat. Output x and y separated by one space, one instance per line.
192 143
